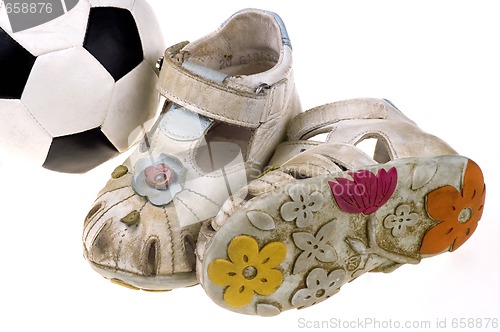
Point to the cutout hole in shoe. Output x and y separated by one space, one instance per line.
376 147
248 197
224 145
209 227
189 249
92 212
151 258
321 137
336 162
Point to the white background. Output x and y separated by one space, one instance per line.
438 61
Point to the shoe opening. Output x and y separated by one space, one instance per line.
248 43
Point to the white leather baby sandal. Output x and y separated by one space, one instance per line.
331 213
229 97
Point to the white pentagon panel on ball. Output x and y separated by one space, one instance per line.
125 4
61 33
151 35
20 134
135 100
68 91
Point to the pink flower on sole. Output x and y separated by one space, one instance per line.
366 193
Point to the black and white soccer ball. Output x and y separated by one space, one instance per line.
75 91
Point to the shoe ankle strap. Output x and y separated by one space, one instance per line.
320 119
314 158
215 100
398 136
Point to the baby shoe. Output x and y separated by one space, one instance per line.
331 212
229 97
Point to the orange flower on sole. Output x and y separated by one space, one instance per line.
459 212
248 270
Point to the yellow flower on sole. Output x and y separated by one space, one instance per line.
248 270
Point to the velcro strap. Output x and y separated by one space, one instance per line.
207 98
311 122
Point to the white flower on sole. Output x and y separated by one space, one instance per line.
401 219
320 286
302 206
314 247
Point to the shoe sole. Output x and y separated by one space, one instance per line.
296 245
138 282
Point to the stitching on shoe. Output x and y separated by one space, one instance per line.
155 139
250 143
270 114
267 112
187 207
201 195
142 207
265 181
109 208
110 191
171 242
307 164
171 134
302 143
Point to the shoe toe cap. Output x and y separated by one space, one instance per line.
127 238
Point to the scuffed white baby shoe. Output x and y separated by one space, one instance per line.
330 213
229 97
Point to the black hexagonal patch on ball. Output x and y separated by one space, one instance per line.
112 38
80 152
15 67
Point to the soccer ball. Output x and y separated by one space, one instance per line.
75 91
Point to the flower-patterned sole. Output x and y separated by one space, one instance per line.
298 243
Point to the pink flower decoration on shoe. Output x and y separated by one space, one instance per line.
159 176
366 193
